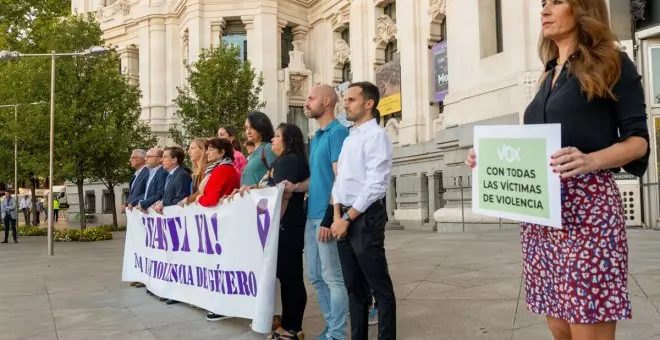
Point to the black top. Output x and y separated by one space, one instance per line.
292 168
596 125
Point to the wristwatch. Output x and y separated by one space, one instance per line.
347 218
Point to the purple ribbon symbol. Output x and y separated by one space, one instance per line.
262 209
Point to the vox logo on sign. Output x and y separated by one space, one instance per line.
508 153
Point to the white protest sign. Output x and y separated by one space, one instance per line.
513 178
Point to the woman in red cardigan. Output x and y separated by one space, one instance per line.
220 177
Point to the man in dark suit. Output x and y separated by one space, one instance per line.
138 184
156 181
178 184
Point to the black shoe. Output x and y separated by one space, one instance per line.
139 285
171 302
216 317
163 299
4 242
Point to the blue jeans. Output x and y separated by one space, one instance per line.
324 271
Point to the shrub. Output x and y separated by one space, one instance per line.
32 231
87 235
110 228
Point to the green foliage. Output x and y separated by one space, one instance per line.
100 233
97 110
85 235
32 230
20 18
110 228
221 90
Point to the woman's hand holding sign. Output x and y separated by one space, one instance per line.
471 161
570 162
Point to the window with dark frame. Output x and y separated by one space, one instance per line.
498 26
391 51
390 10
286 45
90 202
107 202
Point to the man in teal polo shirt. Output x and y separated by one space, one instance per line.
322 255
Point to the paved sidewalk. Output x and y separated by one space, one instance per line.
449 286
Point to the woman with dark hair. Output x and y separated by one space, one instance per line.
229 132
291 165
220 177
577 276
258 130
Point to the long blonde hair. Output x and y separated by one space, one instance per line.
201 164
597 61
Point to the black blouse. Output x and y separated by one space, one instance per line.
593 125
294 169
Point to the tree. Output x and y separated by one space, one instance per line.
19 18
23 82
97 107
97 110
122 132
222 89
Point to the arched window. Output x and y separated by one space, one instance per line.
346 74
391 51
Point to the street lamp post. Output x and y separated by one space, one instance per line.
91 52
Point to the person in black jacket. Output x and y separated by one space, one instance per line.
178 183
156 182
138 184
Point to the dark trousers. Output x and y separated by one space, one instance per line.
56 212
290 274
10 222
26 215
363 263
37 221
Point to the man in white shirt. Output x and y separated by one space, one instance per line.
363 176
25 208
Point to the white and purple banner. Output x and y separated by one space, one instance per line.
222 259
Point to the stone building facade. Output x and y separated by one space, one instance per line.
492 69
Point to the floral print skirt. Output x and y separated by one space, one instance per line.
580 273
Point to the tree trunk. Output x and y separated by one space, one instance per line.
81 204
115 223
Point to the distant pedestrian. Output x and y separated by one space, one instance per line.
56 209
25 208
9 216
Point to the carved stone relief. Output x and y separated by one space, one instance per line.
342 53
392 129
109 11
438 9
386 30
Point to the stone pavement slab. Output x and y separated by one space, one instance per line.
448 286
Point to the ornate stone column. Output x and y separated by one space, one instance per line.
157 72
217 29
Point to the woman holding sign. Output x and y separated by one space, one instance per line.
577 276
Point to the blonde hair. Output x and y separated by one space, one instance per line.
200 166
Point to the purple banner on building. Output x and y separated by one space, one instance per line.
440 71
